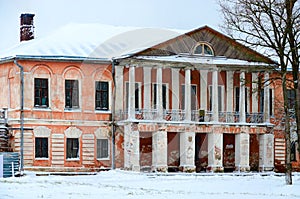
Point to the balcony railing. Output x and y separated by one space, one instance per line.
196 116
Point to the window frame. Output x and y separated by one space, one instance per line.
203 45
41 149
165 97
68 140
138 97
98 150
221 99
41 91
99 108
194 96
77 106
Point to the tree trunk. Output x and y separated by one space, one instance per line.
288 164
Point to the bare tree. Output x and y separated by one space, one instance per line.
272 26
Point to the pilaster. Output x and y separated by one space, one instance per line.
187 151
242 151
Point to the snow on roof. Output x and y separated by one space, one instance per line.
205 60
92 41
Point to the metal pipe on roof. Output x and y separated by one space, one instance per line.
21 113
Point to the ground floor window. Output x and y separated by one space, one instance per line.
41 147
72 148
102 148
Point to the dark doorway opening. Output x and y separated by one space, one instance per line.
201 152
229 152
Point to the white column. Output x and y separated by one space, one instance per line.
266 152
242 98
215 103
242 151
229 91
160 151
203 90
119 88
131 97
266 99
254 93
175 88
159 93
147 88
187 151
187 95
131 148
215 151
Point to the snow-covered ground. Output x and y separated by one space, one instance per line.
120 184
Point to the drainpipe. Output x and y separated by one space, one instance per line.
113 126
21 113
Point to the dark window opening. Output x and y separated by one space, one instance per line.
136 95
102 95
72 94
193 97
164 95
40 92
72 148
41 147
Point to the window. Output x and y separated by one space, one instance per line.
136 95
40 92
291 98
72 94
270 101
101 96
102 148
164 95
237 99
193 97
41 147
220 98
293 151
72 148
203 49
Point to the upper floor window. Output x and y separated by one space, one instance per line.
203 49
40 92
72 94
102 96
291 98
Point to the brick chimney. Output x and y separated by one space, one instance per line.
26 27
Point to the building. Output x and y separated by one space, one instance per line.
92 96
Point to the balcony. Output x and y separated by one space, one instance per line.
199 116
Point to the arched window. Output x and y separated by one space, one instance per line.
203 49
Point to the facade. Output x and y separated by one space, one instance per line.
189 102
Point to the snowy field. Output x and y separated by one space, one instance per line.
120 184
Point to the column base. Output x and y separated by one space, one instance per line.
242 168
188 169
133 168
217 169
267 168
162 169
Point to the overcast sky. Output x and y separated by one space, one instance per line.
52 14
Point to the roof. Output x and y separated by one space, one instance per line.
91 41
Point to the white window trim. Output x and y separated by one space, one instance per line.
140 94
102 133
79 96
109 97
222 95
41 76
167 94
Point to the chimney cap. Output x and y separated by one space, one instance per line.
27 15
